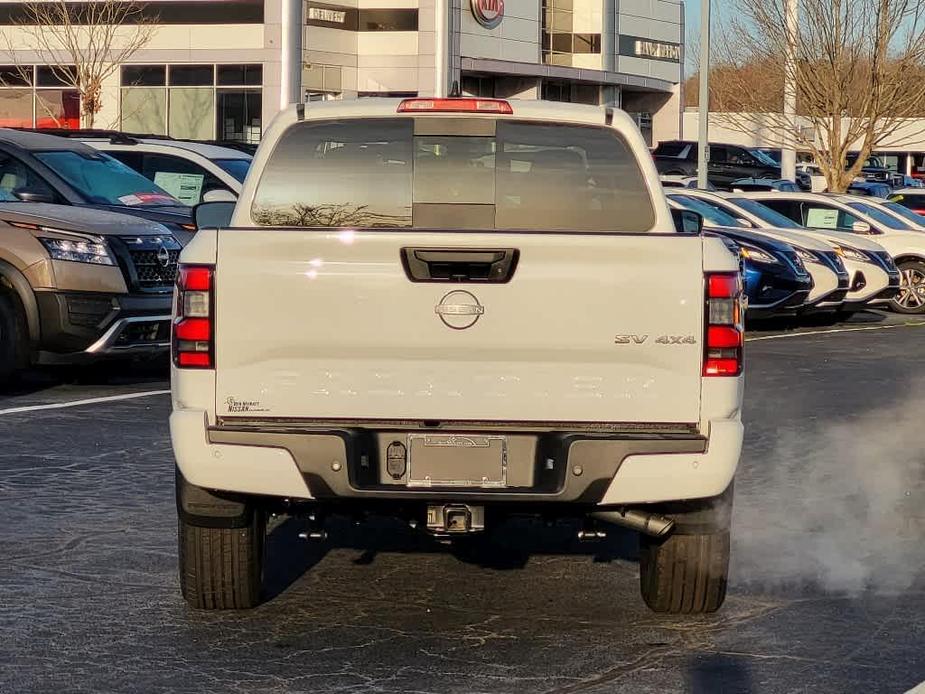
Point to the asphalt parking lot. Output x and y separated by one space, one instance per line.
828 579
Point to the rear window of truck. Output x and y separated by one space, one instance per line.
522 176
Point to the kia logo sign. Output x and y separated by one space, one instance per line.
488 13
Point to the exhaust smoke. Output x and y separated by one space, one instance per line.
838 507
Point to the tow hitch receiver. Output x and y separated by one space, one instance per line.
454 519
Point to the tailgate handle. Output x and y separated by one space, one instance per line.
481 265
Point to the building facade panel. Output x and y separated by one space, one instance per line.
213 68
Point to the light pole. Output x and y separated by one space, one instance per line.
442 48
788 155
292 25
703 148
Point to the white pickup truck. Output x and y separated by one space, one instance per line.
454 311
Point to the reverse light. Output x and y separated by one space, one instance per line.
192 343
722 352
454 105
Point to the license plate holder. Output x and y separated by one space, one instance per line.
457 460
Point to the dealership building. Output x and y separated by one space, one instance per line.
214 69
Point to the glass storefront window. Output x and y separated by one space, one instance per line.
238 114
23 105
190 113
144 75
190 75
144 110
200 102
57 108
16 108
559 40
239 75
15 76
57 76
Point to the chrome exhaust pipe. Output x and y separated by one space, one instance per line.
651 524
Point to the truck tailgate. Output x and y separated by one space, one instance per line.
329 325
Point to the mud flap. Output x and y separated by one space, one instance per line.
208 509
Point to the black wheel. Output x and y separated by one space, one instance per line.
911 297
686 573
13 353
222 568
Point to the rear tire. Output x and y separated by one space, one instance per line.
222 568
687 572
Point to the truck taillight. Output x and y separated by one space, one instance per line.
192 343
722 352
455 105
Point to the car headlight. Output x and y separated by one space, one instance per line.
806 256
77 250
852 254
756 254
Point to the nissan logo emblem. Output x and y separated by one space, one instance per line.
459 310
163 256
488 13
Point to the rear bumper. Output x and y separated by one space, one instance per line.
560 467
79 326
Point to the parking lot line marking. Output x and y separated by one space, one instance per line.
78 403
831 331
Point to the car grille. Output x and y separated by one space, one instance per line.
886 260
796 262
152 271
152 262
833 260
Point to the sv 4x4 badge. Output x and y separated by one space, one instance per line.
660 340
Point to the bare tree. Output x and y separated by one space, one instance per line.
82 43
857 66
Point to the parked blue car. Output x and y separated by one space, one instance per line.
870 189
775 279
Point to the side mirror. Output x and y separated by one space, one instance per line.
687 221
213 215
33 195
219 195
860 228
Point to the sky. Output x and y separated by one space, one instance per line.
692 16
692 11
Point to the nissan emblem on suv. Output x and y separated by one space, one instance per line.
163 256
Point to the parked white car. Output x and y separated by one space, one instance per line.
873 277
817 181
436 307
850 217
898 211
676 181
830 277
192 172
